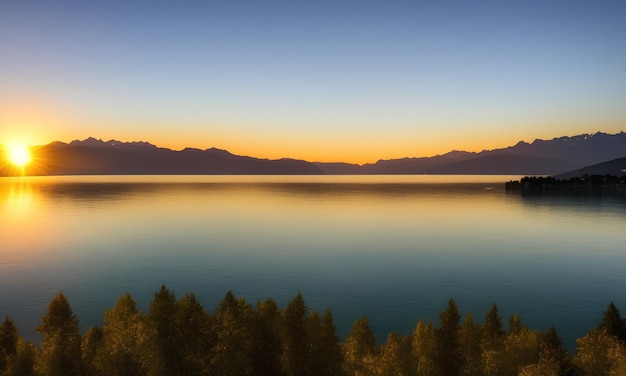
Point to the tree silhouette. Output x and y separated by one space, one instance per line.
551 352
515 324
123 349
424 348
331 354
232 353
600 353
267 349
295 339
491 342
396 357
241 340
91 346
193 330
449 360
60 348
613 323
360 348
8 342
23 363
521 348
470 336
162 313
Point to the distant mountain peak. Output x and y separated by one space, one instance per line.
93 142
90 141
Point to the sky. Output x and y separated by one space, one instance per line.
352 81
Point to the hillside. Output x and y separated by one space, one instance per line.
615 167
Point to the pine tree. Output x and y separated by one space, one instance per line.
232 353
613 324
161 315
193 329
521 347
295 339
60 348
424 348
23 363
360 348
515 324
267 349
123 351
396 357
492 343
470 336
492 328
449 360
331 351
91 346
8 342
551 352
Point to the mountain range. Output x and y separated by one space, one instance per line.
541 157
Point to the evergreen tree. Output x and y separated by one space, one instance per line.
492 341
232 353
515 324
360 348
60 348
315 357
551 352
613 324
424 349
592 356
267 348
8 342
295 339
91 346
492 328
331 351
521 349
470 336
396 357
123 351
162 313
449 361
193 329
23 363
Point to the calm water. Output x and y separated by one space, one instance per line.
393 248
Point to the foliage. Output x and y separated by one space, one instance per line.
60 353
179 337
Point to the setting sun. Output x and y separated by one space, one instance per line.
19 155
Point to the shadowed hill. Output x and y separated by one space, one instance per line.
615 167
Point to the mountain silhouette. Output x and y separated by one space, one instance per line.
615 167
96 157
541 157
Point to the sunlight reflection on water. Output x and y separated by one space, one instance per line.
393 248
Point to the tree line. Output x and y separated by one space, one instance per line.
180 337
586 183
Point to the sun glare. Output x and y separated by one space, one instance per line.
19 155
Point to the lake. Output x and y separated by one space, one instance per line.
392 248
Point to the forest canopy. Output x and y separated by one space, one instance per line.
180 337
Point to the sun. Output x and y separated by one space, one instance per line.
20 155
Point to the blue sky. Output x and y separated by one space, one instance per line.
341 80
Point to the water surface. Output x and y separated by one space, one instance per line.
392 248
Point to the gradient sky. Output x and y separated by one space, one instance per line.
321 80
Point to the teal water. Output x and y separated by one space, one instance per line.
392 248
